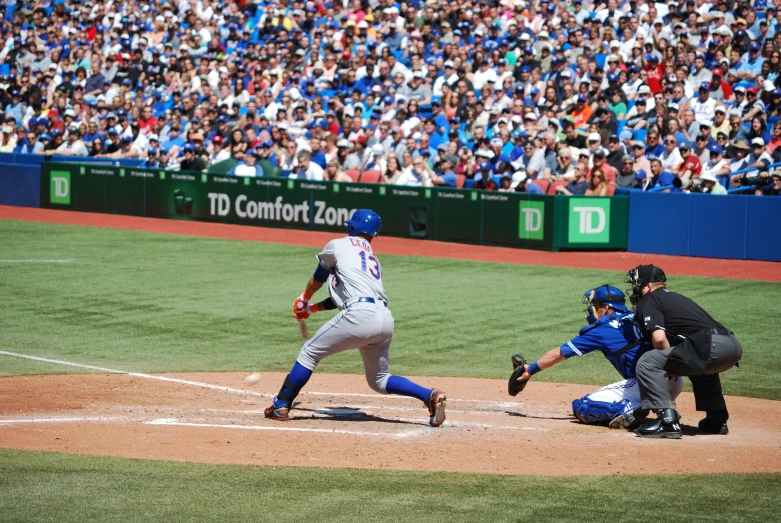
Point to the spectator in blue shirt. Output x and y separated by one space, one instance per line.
750 65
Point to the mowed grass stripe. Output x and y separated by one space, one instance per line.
149 302
39 486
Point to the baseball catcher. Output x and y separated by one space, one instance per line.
612 331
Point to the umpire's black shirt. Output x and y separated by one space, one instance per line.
674 313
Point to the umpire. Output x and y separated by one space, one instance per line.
689 342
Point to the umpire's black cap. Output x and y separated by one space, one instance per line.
647 274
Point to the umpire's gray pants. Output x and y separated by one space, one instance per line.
364 326
652 378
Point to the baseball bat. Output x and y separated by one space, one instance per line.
303 330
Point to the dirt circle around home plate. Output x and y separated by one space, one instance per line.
339 422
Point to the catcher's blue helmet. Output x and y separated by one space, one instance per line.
364 221
603 295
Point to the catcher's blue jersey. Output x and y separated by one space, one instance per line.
609 335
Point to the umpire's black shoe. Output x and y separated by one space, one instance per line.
666 426
715 422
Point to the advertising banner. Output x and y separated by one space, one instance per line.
470 216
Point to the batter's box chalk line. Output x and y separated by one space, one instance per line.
172 422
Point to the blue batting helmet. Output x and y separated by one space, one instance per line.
364 221
603 295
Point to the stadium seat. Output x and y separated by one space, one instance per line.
611 189
600 59
552 188
354 174
269 169
640 134
370 177
629 105
542 184
620 127
468 183
460 180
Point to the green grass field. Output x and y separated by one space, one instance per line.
39 487
159 303
163 303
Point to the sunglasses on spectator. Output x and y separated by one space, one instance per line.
629 163
671 142
638 147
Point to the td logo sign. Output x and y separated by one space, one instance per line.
531 220
60 189
589 220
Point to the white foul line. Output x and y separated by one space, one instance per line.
140 375
177 423
36 261
55 420
500 404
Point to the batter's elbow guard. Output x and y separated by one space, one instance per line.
321 274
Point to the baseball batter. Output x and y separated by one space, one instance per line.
354 277
612 331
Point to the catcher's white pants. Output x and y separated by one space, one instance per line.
367 327
617 398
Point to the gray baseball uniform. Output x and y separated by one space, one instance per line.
365 322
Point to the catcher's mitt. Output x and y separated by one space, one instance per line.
515 386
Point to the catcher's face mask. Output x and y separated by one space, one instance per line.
591 311
600 296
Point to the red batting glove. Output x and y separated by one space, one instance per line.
300 309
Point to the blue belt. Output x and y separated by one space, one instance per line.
370 300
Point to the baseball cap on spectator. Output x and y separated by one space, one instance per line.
485 166
126 138
594 137
715 148
751 90
720 109
643 89
518 178
582 97
641 175
704 86
684 146
706 123
625 135
758 141
708 177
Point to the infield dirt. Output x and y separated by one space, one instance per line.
339 422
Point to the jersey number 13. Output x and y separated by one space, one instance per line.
374 271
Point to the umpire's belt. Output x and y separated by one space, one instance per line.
365 299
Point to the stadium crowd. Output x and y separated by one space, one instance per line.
560 96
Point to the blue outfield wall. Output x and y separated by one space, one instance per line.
20 175
20 185
735 226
